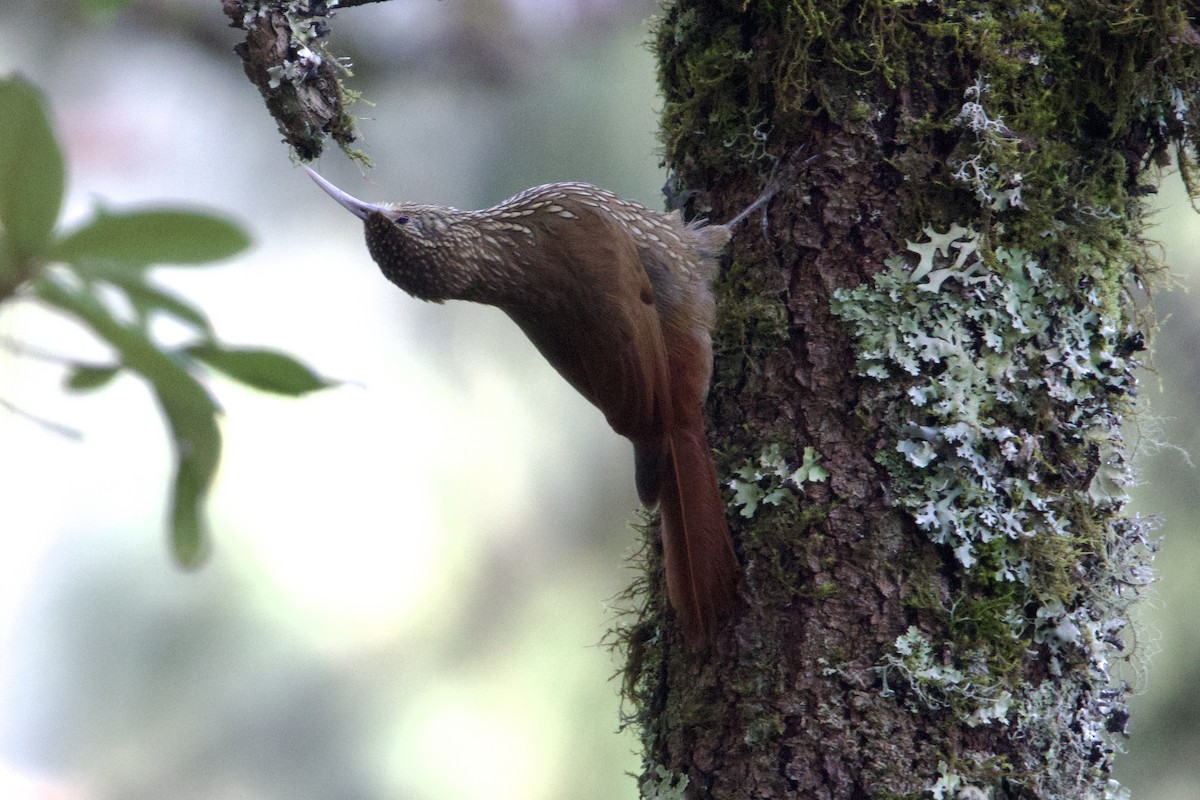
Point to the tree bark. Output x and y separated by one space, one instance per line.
922 367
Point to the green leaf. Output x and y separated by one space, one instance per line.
137 239
268 370
147 298
84 377
190 412
31 169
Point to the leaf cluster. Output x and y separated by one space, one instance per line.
79 272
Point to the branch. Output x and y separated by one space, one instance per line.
65 431
19 348
285 57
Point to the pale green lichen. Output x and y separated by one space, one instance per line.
949 785
307 27
767 482
1005 390
662 784
936 685
995 187
972 357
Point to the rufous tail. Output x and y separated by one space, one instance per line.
702 569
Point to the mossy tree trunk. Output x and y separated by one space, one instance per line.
922 367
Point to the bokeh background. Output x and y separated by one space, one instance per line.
412 573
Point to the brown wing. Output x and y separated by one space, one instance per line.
603 336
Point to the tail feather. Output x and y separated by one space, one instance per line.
648 465
701 567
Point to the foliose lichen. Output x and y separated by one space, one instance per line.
1004 376
662 784
767 482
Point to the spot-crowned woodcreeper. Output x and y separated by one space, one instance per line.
618 299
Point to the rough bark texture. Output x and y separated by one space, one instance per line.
284 56
940 317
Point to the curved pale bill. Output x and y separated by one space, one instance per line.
352 204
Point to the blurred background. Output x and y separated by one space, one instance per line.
411 573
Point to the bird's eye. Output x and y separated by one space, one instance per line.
401 220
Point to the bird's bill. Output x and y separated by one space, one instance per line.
352 204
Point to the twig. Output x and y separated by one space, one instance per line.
65 431
18 348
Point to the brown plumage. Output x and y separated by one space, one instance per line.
617 298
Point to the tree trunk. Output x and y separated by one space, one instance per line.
922 366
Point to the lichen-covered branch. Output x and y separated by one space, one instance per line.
945 316
284 56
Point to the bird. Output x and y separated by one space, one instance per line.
618 299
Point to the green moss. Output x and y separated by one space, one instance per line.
752 321
1002 378
980 626
636 633
705 60
825 590
1056 74
764 730
778 543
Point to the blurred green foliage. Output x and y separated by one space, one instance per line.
112 252
105 10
